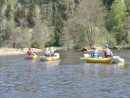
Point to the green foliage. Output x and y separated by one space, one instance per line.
35 45
123 42
28 23
108 3
116 18
127 2
128 37
57 31
62 7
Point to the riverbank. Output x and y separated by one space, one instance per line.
13 51
125 47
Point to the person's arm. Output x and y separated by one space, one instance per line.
92 54
35 52
98 54
104 51
111 53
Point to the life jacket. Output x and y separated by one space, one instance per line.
47 53
95 52
108 52
29 52
52 51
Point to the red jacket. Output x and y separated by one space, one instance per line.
29 52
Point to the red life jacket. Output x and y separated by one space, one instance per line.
29 52
108 51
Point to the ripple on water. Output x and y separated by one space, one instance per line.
65 78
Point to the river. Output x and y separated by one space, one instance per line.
69 77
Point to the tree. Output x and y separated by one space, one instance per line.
127 2
59 16
84 28
40 33
116 18
108 3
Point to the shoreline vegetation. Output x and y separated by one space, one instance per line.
125 47
15 51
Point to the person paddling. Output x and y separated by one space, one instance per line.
95 53
29 52
47 52
33 52
52 51
107 52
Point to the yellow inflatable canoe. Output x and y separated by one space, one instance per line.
98 60
32 57
55 57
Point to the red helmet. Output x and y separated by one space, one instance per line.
94 47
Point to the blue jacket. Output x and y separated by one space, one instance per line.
95 54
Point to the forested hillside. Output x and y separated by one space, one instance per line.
70 23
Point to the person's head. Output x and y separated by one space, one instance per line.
91 47
47 49
94 47
106 45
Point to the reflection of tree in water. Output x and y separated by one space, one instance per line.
30 64
99 70
107 70
52 63
92 69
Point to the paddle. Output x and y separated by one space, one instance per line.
85 55
118 59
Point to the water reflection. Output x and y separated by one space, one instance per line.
68 77
107 70
103 70
52 63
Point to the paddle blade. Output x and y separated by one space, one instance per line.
121 60
82 58
87 55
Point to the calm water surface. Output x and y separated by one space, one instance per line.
69 77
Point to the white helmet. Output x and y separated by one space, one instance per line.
52 48
47 49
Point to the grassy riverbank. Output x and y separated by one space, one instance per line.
14 51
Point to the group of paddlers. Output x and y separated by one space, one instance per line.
48 52
96 54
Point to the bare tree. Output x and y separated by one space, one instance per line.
91 15
85 28
40 32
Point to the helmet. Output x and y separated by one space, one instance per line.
94 47
106 45
51 48
47 49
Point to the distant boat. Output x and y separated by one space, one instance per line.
31 57
51 58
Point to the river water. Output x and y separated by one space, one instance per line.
69 77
